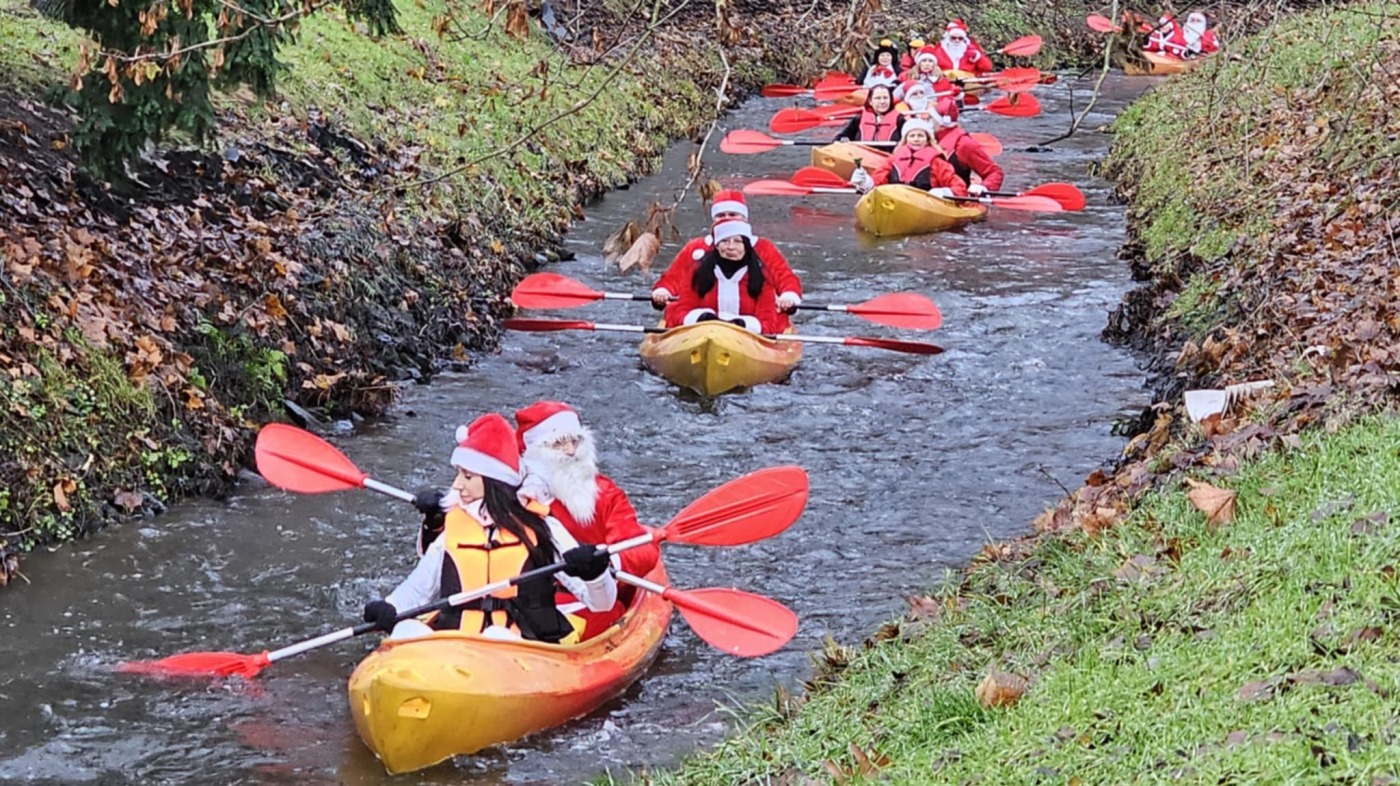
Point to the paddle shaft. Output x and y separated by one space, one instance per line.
668 593
451 601
357 480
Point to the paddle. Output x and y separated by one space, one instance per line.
789 188
744 510
900 309
549 325
1018 105
783 91
833 92
793 119
1030 204
1102 24
740 623
1025 46
1069 197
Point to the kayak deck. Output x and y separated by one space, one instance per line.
894 210
716 357
1157 64
840 158
417 702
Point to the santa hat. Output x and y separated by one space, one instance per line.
956 24
545 421
925 53
731 227
1196 18
729 201
917 123
486 447
945 112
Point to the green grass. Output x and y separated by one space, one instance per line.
1139 680
34 51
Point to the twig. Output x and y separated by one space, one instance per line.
262 22
466 36
721 98
1053 479
530 133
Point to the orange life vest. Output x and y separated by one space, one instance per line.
471 558
910 163
877 128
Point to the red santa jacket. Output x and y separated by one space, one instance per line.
1209 44
940 85
1170 42
776 270
614 519
967 156
974 60
923 168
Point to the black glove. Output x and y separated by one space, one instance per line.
707 317
586 562
737 321
428 501
382 613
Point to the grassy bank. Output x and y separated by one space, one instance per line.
1168 649
1149 641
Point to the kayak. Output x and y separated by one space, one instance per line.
840 158
417 702
974 88
716 357
893 210
1160 65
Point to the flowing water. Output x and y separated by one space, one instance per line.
915 463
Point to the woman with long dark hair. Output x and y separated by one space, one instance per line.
479 533
731 283
878 121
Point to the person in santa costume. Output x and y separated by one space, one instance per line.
488 533
1167 38
731 283
957 52
962 151
878 121
906 61
926 72
561 469
1199 40
728 205
885 70
915 163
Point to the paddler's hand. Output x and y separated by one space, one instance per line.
659 299
586 562
861 180
382 613
941 192
428 501
787 302
976 189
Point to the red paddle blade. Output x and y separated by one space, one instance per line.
812 177
1101 24
835 82
988 142
776 188
551 290
793 120
1018 74
900 309
832 92
838 76
837 110
1025 46
894 345
544 325
1033 204
1018 105
744 141
300 461
740 623
1069 197
747 509
200 664
782 91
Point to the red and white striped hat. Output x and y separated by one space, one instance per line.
729 201
545 421
486 447
731 227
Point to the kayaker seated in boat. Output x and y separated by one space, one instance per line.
1171 39
877 122
915 163
731 283
728 205
962 151
489 535
885 70
906 60
926 72
561 470
1199 40
957 51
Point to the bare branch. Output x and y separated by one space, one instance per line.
260 23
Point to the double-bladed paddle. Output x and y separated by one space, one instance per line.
1067 195
747 509
1025 46
894 345
900 309
1032 204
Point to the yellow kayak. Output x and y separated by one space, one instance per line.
840 158
893 210
971 88
715 357
1157 64
417 702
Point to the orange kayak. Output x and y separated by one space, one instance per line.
417 702
1156 64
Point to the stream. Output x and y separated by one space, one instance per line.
915 463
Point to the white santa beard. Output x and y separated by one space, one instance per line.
573 480
955 50
1193 35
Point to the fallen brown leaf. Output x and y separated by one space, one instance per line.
1000 689
641 254
1218 504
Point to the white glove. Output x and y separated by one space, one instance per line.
942 193
976 189
788 301
862 180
